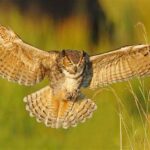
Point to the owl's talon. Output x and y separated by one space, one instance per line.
72 96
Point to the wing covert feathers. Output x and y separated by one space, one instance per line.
20 62
120 65
55 112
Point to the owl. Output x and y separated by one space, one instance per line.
61 103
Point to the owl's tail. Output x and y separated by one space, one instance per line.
55 112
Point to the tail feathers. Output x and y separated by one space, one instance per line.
81 110
55 112
37 104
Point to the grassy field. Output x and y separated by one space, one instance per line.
122 121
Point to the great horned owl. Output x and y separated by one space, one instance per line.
61 104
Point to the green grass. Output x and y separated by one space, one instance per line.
122 121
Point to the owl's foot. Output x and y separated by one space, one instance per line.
73 95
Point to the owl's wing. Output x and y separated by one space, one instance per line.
120 65
20 62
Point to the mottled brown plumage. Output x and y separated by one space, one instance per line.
55 112
61 104
120 65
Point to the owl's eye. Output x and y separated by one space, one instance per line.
66 62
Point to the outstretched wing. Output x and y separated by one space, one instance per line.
120 65
20 62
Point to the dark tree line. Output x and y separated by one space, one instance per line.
62 9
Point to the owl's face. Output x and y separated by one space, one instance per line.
73 62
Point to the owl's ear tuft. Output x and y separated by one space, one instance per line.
63 53
83 53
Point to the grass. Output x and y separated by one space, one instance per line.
136 127
122 121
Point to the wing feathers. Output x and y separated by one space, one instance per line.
20 62
120 65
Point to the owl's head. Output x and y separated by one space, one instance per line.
73 62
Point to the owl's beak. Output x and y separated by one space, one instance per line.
74 69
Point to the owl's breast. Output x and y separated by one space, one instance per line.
71 84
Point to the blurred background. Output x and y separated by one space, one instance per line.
122 121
